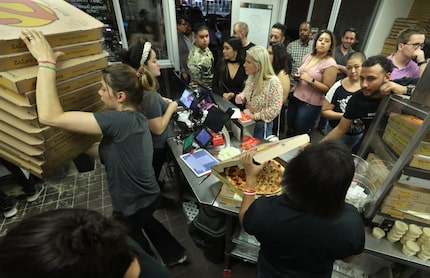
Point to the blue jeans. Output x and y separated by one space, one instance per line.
259 129
301 117
350 140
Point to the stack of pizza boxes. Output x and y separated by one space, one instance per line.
40 149
398 133
281 151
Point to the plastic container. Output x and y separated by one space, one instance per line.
360 192
361 165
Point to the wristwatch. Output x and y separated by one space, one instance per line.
409 90
422 63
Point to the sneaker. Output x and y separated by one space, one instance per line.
38 187
10 209
180 261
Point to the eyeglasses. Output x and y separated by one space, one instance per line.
416 45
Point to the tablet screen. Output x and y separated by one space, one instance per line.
200 161
203 138
187 97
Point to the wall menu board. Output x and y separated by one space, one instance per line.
103 11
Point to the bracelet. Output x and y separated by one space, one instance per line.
46 62
422 63
249 192
48 67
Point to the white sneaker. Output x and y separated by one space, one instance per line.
38 190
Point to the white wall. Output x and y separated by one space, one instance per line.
388 11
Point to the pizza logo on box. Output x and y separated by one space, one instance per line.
25 13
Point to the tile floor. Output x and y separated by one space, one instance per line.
89 190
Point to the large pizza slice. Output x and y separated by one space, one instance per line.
268 181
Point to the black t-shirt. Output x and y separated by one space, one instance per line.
363 108
297 244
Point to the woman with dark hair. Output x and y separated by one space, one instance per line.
157 109
126 146
314 225
69 243
279 58
229 78
316 74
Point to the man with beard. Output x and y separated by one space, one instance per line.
185 42
299 48
362 106
343 50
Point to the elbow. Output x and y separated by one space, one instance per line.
43 119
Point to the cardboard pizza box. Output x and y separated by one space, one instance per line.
61 22
40 132
24 80
41 167
25 59
264 152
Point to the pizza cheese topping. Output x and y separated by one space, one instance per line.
268 181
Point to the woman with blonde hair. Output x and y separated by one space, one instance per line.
262 95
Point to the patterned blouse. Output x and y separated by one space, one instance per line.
265 104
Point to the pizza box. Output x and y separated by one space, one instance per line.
24 80
264 152
61 22
25 59
40 132
45 168
410 193
405 204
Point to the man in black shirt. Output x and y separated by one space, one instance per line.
363 105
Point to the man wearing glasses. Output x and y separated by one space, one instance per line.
409 60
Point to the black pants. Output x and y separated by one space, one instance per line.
167 246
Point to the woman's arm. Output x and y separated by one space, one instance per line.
286 86
159 124
328 79
252 170
49 108
328 112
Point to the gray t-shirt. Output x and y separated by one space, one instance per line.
126 151
153 106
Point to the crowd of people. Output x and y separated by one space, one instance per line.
284 88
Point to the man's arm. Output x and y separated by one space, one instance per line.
340 130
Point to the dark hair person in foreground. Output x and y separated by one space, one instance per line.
304 230
68 243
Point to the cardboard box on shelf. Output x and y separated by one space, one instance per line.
406 204
404 214
24 80
420 161
409 192
25 59
264 152
61 22
408 123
